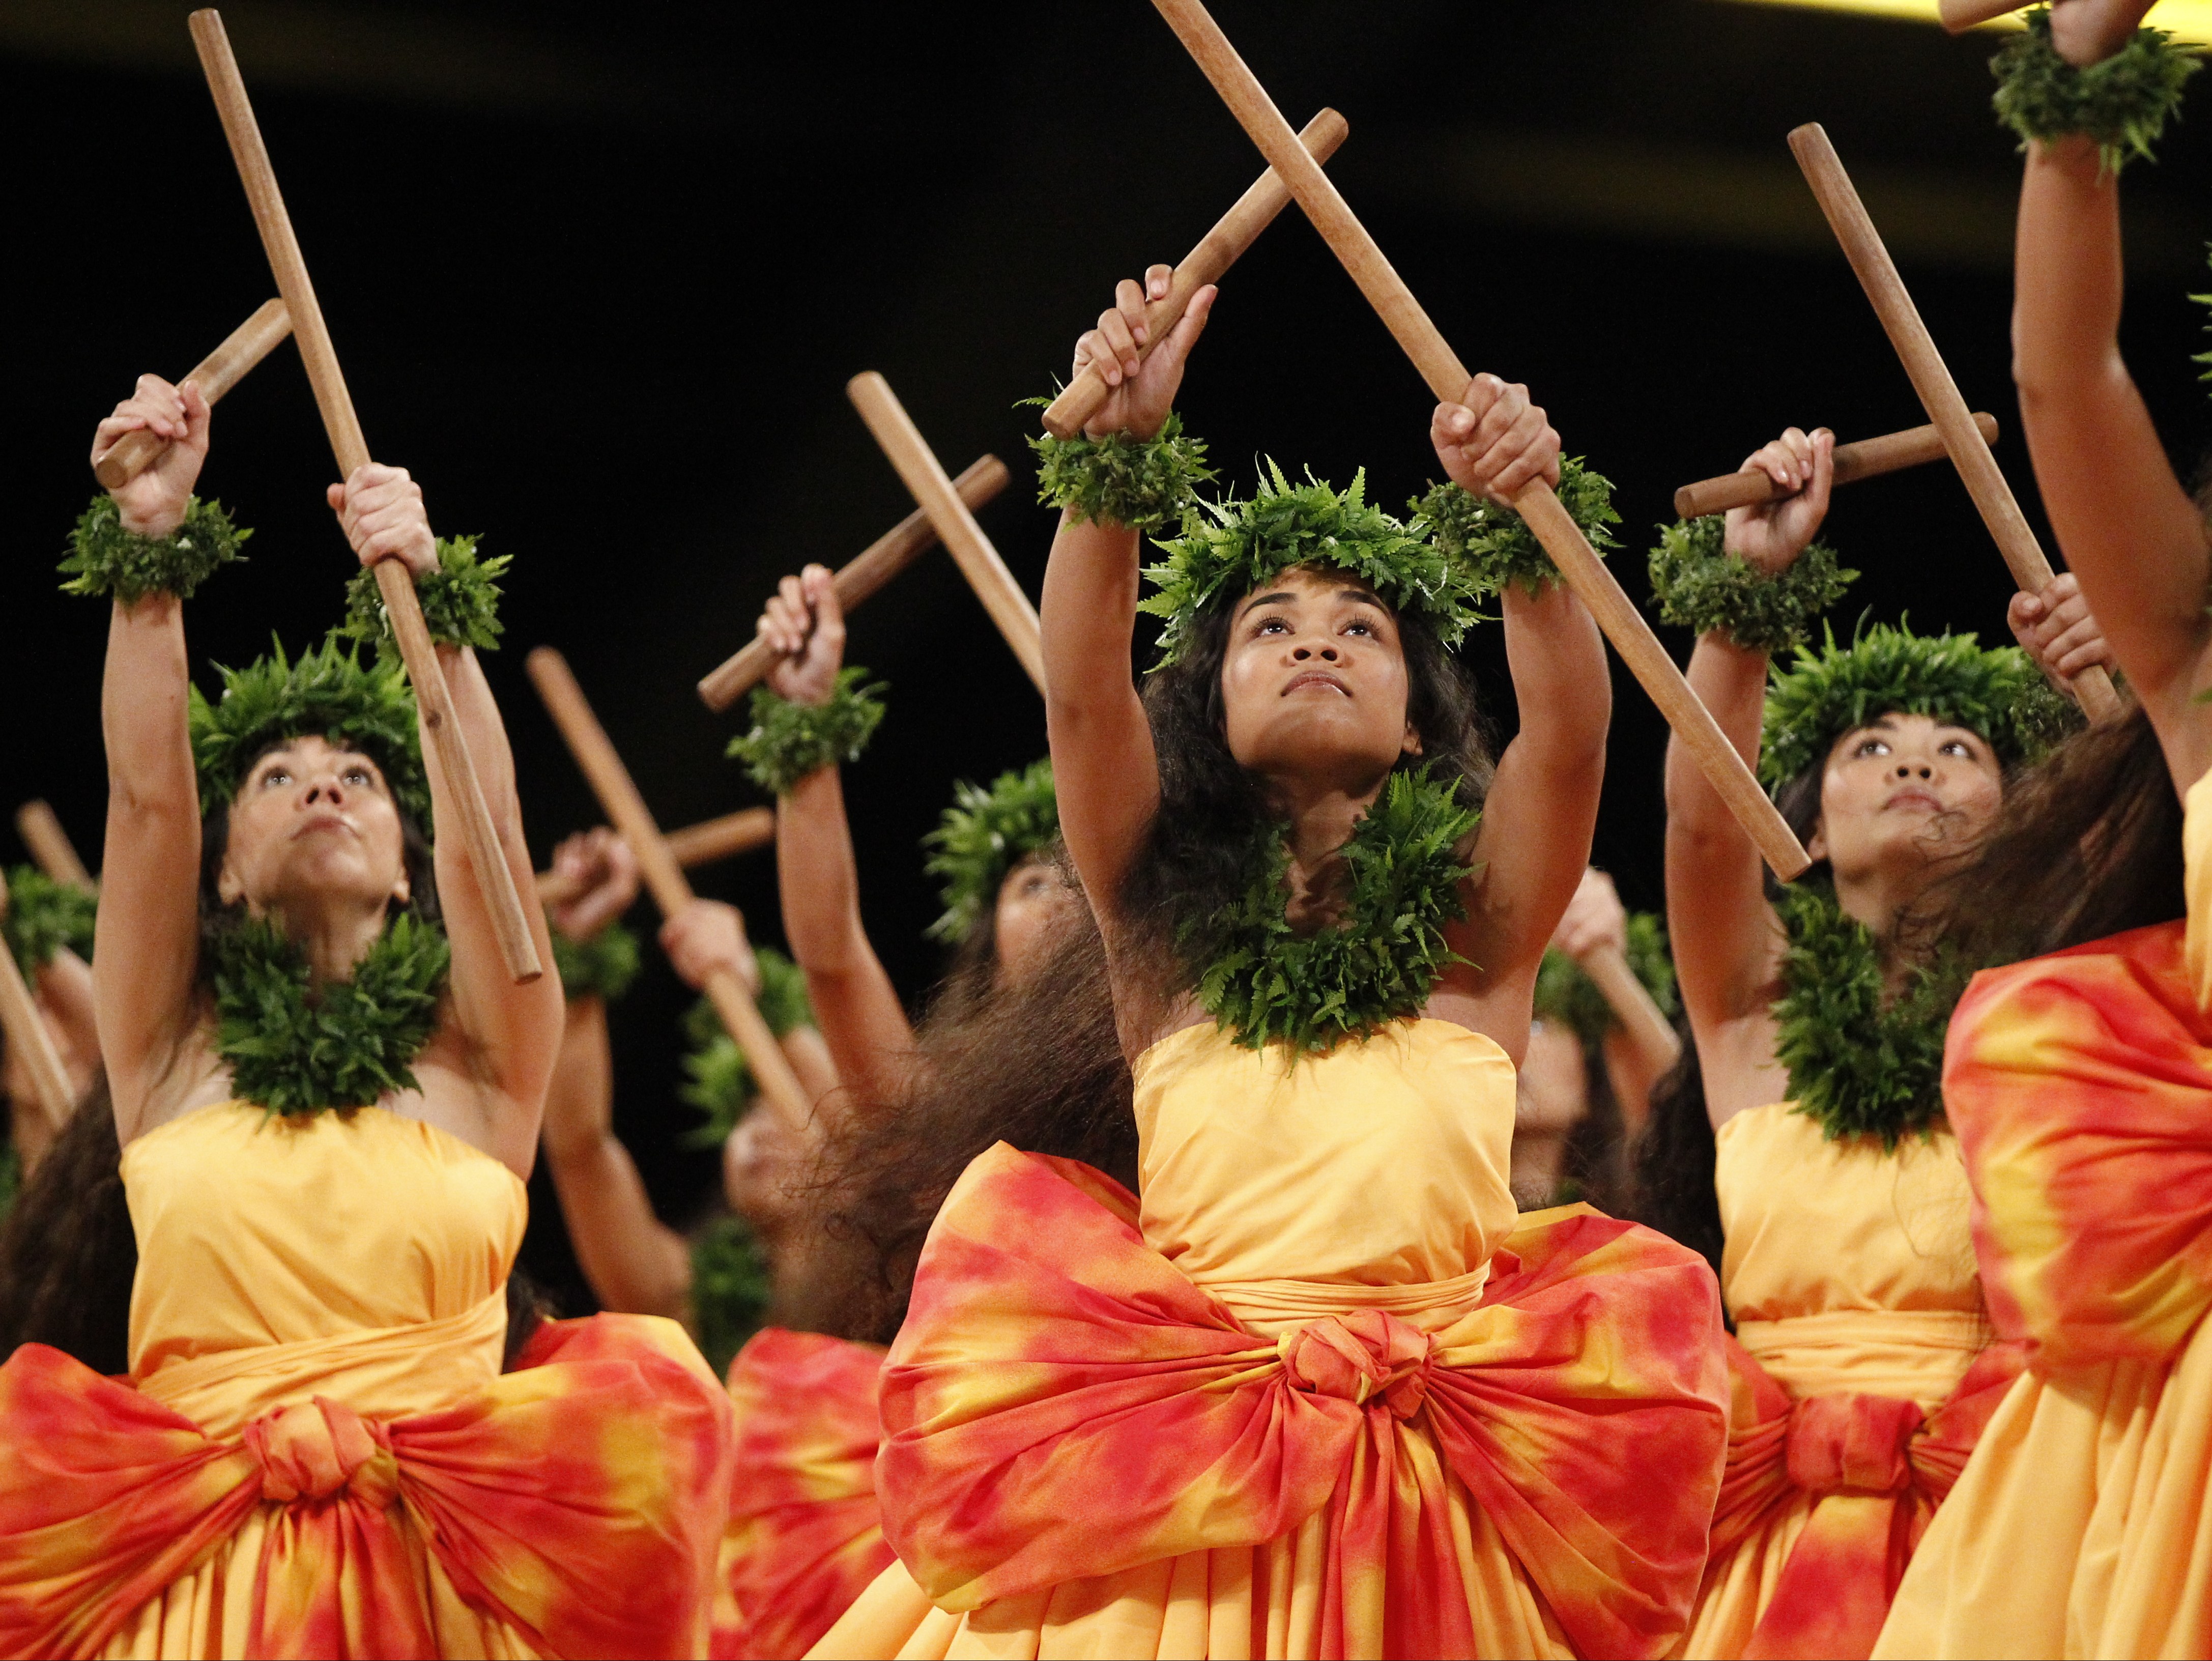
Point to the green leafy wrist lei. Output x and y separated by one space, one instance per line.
1264 982
296 1047
730 1290
1857 1065
106 559
45 915
718 1081
600 967
1495 545
1146 484
460 599
1699 584
2123 103
790 740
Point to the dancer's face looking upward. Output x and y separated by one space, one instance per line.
1901 793
1032 898
313 823
1313 684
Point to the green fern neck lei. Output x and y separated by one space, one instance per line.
1860 1064
296 1047
1265 983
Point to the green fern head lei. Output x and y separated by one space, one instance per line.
1996 692
327 691
984 835
1229 548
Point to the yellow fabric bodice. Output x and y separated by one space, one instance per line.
2196 856
359 1256
1846 1268
1374 1177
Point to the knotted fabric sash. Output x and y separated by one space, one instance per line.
1881 1467
551 1496
2077 1083
805 1534
1062 1403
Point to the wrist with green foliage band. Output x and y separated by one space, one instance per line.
1697 584
601 967
1494 544
460 599
2123 103
1567 995
44 916
789 741
105 558
1146 484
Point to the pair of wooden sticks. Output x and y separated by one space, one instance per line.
20 1021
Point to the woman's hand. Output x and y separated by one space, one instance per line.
600 874
1770 536
381 510
1494 442
2056 629
2088 32
705 936
1593 919
153 504
805 627
1140 395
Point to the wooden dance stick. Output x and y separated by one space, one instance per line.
1939 393
705 843
213 375
859 577
1607 967
1217 251
49 843
664 878
440 730
26 1034
955 525
1960 16
1868 458
1553 526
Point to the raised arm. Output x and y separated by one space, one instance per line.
1103 768
817 879
146 940
512 1029
2127 527
1536 825
1727 941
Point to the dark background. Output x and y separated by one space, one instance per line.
600 279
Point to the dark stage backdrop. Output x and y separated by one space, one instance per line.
599 278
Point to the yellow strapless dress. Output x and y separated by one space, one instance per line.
1323 1391
1849 1271
316 1451
2080 1085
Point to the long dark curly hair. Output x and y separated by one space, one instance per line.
1194 862
67 1252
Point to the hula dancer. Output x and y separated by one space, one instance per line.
327 1102
2078 1078
1861 1347
1266 1409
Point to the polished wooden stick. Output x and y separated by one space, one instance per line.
25 1031
50 846
1960 16
1553 526
859 577
963 539
1867 457
664 878
1608 968
213 375
1217 251
1939 394
441 732
704 844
